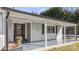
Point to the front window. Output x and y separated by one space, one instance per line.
50 29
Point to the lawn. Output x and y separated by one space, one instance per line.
71 47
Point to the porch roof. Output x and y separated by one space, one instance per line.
17 14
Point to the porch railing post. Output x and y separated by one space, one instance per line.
64 34
75 33
45 31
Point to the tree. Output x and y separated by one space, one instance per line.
61 13
56 12
76 13
64 14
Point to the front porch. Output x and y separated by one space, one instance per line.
36 45
35 33
46 39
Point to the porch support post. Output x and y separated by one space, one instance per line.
55 32
75 33
6 47
45 31
31 31
64 33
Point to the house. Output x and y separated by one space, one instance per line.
31 27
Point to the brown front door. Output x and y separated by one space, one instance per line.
19 29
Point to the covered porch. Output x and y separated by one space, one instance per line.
36 29
37 32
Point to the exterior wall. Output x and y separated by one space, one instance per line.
36 32
1 33
2 29
49 35
10 31
36 27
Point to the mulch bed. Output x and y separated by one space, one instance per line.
11 45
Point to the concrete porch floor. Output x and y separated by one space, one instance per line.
35 45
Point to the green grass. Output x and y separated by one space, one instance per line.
72 47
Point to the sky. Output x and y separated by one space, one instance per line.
39 9
33 9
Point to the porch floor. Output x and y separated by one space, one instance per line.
35 45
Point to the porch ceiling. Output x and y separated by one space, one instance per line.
24 18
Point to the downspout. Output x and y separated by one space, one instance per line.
7 15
